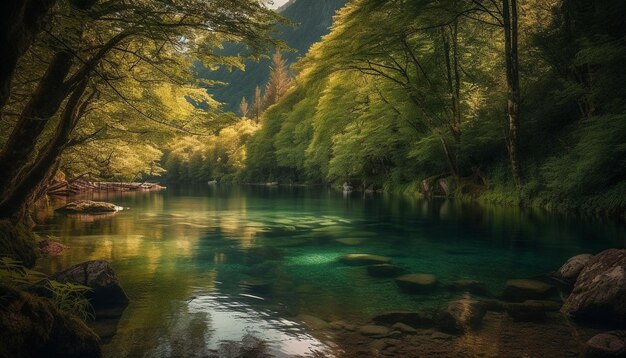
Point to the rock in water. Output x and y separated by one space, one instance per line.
417 282
522 290
413 319
49 248
531 310
608 344
107 295
385 270
600 290
461 316
572 268
364 259
372 330
89 207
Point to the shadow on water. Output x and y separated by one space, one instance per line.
209 266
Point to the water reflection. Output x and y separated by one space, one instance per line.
208 266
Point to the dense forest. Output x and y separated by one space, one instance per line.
515 103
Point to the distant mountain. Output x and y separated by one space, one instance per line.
312 19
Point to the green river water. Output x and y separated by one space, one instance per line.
182 254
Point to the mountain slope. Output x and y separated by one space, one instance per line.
312 20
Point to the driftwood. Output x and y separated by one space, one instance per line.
73 187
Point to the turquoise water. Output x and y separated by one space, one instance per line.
182 255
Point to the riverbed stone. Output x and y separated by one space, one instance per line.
404 328
493 305
525 289
351 241
313 322
573 267
364 259
461 316
417 282
50 248
472 286
385 270
256 285
531 310
607 344
411 318
106 294
600 290
88 206
374 330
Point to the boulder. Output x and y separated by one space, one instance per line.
472 286
608 344
531 310
572 268
49 248
364 259
106 294
417 282
413 319
522 290
33 327
461 316
88 206
600 290
374 331
385 270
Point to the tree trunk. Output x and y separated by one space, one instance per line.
509 16
20 22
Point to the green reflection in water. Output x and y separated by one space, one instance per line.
182 255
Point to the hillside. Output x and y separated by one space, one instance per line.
312 19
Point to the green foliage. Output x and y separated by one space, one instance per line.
70 298
16 275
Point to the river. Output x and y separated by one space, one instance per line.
204 266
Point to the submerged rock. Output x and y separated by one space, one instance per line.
364 259
471 286
573 267
531 310
608 344
385 270
32 327
461 316
351 241
256 285
413 319
106 296
313 322
523 290
404 328
600 290
373 330
417 282
88 206
49 248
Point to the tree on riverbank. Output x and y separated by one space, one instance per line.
115 73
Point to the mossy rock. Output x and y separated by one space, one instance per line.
417 282
88 207
33 327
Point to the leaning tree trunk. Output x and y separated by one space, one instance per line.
20 22
509 15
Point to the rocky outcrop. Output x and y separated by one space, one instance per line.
88 207
523 290
461 316
417 282
50 248
364 259
600 290
32 327
572 268
608 344
385 270
106 296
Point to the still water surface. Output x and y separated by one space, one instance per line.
183 254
